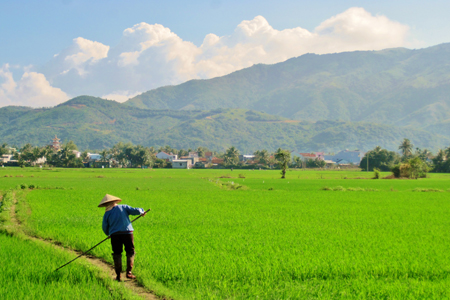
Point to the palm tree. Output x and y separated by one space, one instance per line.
85 156
231 155
104 155
446 153
201 151
65 156
439 159
36 154
262 156
406 148
297 162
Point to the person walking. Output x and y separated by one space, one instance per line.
117 225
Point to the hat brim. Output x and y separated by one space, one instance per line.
108 203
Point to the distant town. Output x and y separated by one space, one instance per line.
127 155
170 158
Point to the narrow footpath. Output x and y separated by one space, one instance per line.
106 268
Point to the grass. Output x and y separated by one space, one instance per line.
426 190
276 239
28 268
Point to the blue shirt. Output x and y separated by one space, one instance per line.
117 220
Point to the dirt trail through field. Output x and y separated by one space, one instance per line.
99 263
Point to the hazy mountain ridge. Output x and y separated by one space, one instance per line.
392 86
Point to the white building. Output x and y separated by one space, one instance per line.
351 157
94 156
246 157
193 154
6 158
40 161
77 153
181 164
164 155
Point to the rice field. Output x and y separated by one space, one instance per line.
243 234
28 269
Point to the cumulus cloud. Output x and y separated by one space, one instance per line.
32 89
149 56
356 29
83 51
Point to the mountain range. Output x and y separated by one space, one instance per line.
352 100
395 86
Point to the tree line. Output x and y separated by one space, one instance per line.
409 160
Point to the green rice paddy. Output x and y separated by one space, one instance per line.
243 234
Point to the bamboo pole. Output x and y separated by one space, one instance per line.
96 245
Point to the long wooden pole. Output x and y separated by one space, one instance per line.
96 245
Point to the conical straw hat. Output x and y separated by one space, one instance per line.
108 199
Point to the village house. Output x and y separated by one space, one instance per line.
306 156
181 164
166 156
246 158
209 155
217 161
201 163
193 154
192 160
329 163
40 161
94 156
7 158
347 157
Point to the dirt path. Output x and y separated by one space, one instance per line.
106 268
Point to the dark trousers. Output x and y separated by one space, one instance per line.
120 240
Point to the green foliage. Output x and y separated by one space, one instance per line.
406 148
413 168
441 162
379 158
297 162
128 155
231 156
262 156
396 171
284 158
94 123
417 168
376 173
315 163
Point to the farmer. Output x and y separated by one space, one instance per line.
117 225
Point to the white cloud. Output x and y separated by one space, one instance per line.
149 56
356 29
32 89
120 96
78 57
85 51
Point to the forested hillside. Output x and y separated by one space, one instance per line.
94 123
395 86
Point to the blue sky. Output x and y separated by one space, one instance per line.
32 32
